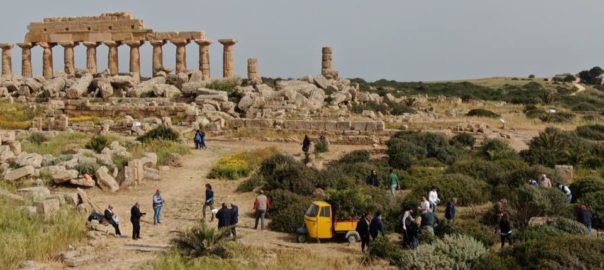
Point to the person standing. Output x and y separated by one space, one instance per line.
135 218
545 182
394 182
505 228
197 139
433 198
451 209
209 202
429 220
306 144
372 179
424 205
112 218
363 230
234 219
567 192
410 228
203 140
158 203
585 217
261 205
376 226
224 216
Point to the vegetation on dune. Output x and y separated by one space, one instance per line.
240 164
160 133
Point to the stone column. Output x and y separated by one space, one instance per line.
252 71
135 56
204 58
26 69
326 68
228 62
7 59
181 54
91 56
158 55
114 59
47 65
69 57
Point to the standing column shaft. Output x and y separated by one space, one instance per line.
69 58
113 61
326 57
204 58
158 55
7 59
252 71
181 55
47 64
91 56
26 69
228 61
135 56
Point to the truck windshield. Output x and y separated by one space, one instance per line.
313 210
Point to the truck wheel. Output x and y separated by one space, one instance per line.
302 238
352 239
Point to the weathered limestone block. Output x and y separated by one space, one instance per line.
149 159
26 159
34 193
48 208
80 87
83 182
166 90
59 174
7 62
105 88
565 171
53 87
106 180
236 123
34 85
259 123
7 135
151 174
359 125
146 87
343 125
124 81
252 71
175 160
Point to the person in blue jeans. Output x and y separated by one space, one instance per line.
158 203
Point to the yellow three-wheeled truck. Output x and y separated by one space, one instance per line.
321 223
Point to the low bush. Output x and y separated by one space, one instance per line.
162 148
494 149
240 164
350 203
478 168
586 185
464 139
554 146
284 172
584 107
452 252
321 146
592 132
56 144
532 112
480 232
159 133
483 113
558 117
467 190
383 248
291 217
595 200
98 143
281 199
529 201
355 156
406 148
37 138
201 240
87 168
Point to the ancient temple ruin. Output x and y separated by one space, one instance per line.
112 30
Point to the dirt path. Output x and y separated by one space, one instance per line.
182 189
580 88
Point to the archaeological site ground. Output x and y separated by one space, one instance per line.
74 141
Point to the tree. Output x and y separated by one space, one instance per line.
591 76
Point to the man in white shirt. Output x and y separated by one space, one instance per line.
424 205
566 190
433 198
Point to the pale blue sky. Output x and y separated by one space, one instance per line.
393 39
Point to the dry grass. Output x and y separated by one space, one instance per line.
17 115
56 144
161 147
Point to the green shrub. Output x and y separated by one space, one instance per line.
355 156
494 149
405 148
569 226
37 138
537 232
554 146
477 168
284 172
452 252
87 168
586 185
558 117
480 232
482 113
584 107
281 199
592 132
159 133
532 112
595 200
201 240
120 161
370 106
400 109
98 143
291 217
383 248
529 201
464 139
322 146
162 148
467 190
349 202
520 176
492 261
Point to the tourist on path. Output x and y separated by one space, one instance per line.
135 218
372 179
363 230
261 205
585 217
410 228
234 219
306 144
505 228
433 198
545 182
209 202
158 203
197 139
112 218
424 205
394 182
429 220
224 216
376 226
203 140
451 209
567 192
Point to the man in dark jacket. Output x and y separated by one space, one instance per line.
376 226
234 219
585 217
429 220
135 218
450 210
372 179
306 144
109 216
363 230
209 202
224 216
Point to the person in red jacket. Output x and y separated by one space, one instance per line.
261 205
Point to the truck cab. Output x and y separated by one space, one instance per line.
320 223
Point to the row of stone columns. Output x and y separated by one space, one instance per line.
113 57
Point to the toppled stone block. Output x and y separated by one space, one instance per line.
47 208
60 174
105 180
151 174
15 147
16 174
83 182
26 159
149 159
565 171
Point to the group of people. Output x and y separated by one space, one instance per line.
393 181
110 217
370 228
306 142
200 140
545 182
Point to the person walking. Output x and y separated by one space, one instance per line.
135 219
197 139
505 228
261 205
376 226
224 216
372 179
545 182
113 219
158 203
424 205
234 219
209 202
567 192
433 198
306 144
394 182
585 217
203 140
411 230
451 209
429 220
363 230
